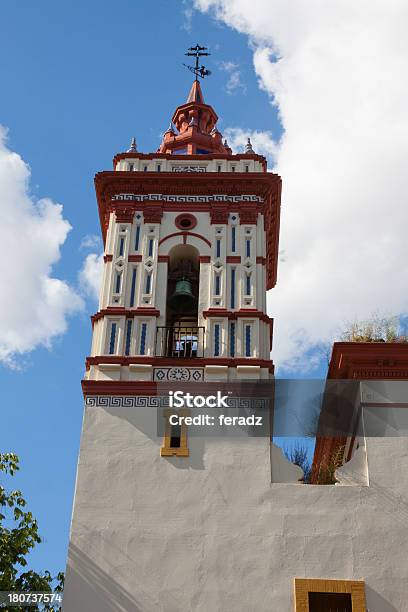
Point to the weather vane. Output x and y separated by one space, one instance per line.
197 52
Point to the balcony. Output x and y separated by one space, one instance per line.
179 342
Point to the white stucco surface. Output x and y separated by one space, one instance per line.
210 533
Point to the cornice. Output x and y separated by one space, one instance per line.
169 361
193 157
120 311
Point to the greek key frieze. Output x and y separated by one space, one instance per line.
156 197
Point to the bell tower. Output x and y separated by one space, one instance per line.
191 242
190 249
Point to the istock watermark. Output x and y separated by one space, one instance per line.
179 399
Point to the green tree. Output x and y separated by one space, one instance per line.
18 536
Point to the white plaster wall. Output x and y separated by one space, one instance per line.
167 164
210 533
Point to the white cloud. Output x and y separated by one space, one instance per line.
262 142
234 77
188 17
90 275
90 241
336 72
34 305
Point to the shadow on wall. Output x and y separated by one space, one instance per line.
375 602
92 589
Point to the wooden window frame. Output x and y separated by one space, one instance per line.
167 450
304 586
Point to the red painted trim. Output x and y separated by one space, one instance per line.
120 387
185 217
184 235
135 258
244 312
152 214
234 259
261 260
124 214
248 213
205 259
168 361
127 312
163 259
107 258
219 214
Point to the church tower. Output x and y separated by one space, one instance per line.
190 249
191 240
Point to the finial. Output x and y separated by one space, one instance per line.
197 52
170 129
226 145
248 147
133 148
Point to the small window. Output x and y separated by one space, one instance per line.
137 238
150 251
121 246
217 284
248 284
148 285
185 221
232 168
217 340
218 248
246 168
143 332
218 168
175 436
232 288
330 602
323 595
248 248
233 239
133 288
144 168
232 339
247 341
128 336
131 167
158 167
112 339
118 282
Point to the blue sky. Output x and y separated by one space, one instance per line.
78 80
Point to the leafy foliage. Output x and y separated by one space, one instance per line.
375 329
18 536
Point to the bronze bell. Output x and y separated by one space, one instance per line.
182 298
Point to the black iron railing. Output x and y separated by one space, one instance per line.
184 341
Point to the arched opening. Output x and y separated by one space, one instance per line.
182 337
